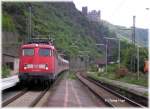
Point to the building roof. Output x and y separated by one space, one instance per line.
10 55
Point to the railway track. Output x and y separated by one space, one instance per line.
110 97
130 95
28 97
25 98
12 98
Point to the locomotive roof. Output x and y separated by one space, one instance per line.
38 45
40 40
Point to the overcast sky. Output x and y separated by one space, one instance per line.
120 12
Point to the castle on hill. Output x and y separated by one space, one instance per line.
93 15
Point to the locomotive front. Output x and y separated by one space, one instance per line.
36 62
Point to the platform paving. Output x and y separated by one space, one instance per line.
9 82
72 93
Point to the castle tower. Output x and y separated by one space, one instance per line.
94 16
84 10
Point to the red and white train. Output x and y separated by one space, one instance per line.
39 61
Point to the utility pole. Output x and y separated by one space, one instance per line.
119 53
138 62
133 42
30 29
106 54
133 34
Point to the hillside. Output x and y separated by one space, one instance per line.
71 31
74 35
126 33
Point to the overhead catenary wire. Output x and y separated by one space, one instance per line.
118 7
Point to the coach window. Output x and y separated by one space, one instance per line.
28 52
45 52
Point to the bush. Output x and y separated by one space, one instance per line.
112 68
127 51
5 71
7 22
121 72
93 68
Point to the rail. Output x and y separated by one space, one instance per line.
111 98
29 97
131 95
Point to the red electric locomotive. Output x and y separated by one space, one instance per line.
39 61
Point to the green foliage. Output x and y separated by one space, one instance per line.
5 71
8 24
132 78
71 75
93 68
129 78
127 52
143 52
59 20
112 68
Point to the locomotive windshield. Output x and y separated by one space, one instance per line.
45 52
28 52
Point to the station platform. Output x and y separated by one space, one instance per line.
72 93
9 82
139 90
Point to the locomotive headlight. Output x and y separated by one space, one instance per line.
43 66
25 66
46 67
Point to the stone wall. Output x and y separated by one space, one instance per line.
10 50
10 43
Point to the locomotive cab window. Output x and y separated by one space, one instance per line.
28 52
45 52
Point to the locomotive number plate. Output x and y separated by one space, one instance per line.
36 66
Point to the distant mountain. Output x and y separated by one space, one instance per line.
125 33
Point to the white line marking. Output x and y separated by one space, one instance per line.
76 95
66 94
